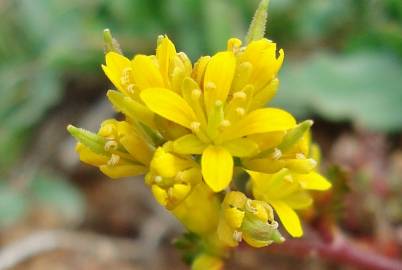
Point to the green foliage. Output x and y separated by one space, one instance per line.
59 196
13 205
364 88
46 191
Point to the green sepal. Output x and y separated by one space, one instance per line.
91 140
294 135
257 27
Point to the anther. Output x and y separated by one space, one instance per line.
210 85
114 159
240 111
125 78
225 123
240 95
196 93
288 178
250 207
300 156
110 145
218 103
170 192
130 88
277 154
195 126
158 179
237 236
274 225
313 162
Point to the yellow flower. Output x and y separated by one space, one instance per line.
116 149
204 262
251 220
286 192
207 110
290 149
172 177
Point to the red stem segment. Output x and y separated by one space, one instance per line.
340 250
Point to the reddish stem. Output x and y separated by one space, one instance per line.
340 250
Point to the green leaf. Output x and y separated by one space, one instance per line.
13 205
364 88
59 196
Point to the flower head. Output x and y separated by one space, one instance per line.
209 110
188 128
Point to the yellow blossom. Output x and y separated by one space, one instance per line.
116 149
188 128
209 110
251 220
286 192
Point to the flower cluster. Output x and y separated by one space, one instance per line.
211 152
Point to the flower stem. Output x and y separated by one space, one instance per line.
340 250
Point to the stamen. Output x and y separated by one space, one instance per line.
240 111
130 88
274 224
288 178
250 207
125 77
196 93
225 123
170 192
179 177
237 236
114 159
218 103
158 179
195 126
300 156
240 95
111 145
210 85
277 154
313 162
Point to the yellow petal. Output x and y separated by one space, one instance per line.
217 167
199 69
146 74
165 53
226 233
115 64
267 141
179 191
131 108
313 181
168 165
189 145
264 165
137 148
89 157
204 262
160 195
265 95
120 171
169 105
242 147
288 217
218 78
260 121
234 217
299 200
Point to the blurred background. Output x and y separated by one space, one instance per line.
343 68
